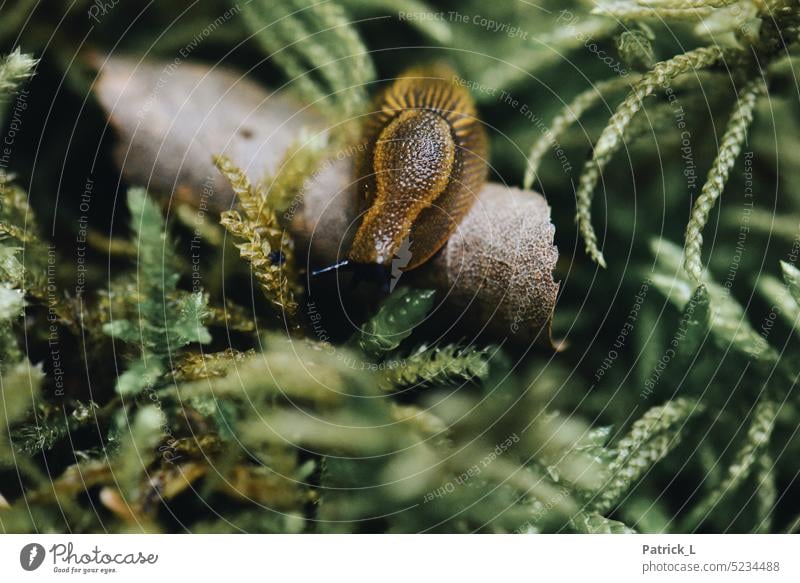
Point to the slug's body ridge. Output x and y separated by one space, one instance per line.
424 163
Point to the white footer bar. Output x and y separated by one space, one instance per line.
400 558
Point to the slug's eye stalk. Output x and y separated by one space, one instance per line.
424 164
344 263
362 272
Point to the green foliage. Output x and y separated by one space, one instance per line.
167 319
12 304
781 298
673 9
593 523
52 426
766 491
318 49
636 48
726 318
791 275
433 28
26 263
301 395
137 449
672 407
395 321
429 366
650 439
20 381
765 41
612 138
14 69
746 458
729 149
20 387
566 118
266 245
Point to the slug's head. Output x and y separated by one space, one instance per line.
424 163
412 161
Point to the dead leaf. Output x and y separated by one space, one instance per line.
171 119
113 501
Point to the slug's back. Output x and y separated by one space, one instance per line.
424 162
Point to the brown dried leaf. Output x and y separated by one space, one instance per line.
113 501
171 120
500 263
496 270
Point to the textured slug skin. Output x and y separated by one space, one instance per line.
423 164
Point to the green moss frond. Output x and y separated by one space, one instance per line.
791 277
729 149
635 47
285 188
52 426
594 523
612 137
445 365
434 29
137 450
14 69
650 439
766 492
251 202
196 365
20 389
776 292
744 461
674 10
166 319
396 319
12 305
727 321
27 264
318 49
266 246
567 117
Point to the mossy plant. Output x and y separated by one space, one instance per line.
186 385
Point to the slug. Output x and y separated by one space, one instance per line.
425 161
495 272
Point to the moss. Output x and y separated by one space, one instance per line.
150 399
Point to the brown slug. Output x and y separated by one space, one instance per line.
424 163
